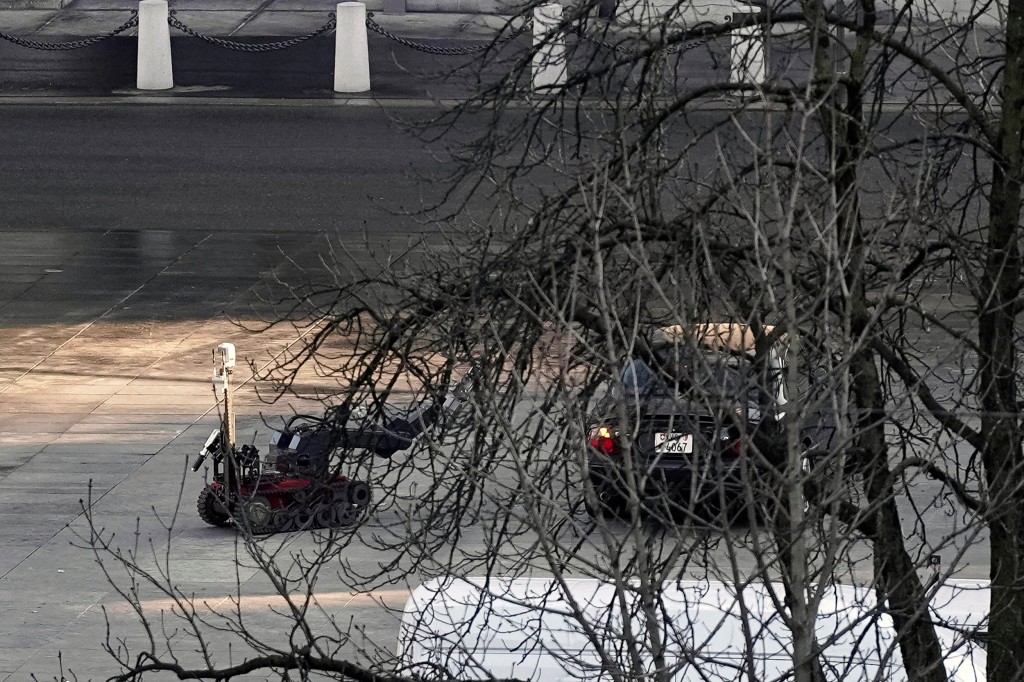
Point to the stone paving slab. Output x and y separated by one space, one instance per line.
146 433
25 21
301 6
75 468
84 24
466 26
87 386
291 23
251 6
100 448
25 348
107 423
223 23
53 475
36 422
78 5
12 456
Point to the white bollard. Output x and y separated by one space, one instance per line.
351 55
747 56
154 70
549 67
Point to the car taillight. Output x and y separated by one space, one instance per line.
603 440
730 441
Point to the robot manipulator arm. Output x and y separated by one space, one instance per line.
401 431
212 447
338 430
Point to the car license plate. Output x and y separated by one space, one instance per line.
673 443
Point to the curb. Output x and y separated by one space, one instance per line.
182 96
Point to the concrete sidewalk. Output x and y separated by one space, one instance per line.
105 398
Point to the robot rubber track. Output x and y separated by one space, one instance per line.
276 509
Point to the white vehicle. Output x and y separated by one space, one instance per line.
544 630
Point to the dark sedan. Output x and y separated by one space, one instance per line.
678 427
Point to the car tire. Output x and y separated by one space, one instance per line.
606 507
605 503
737 508
767 506
728 506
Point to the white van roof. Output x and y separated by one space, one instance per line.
544 630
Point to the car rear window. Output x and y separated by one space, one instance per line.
708 375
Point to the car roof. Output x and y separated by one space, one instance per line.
531 627
729 336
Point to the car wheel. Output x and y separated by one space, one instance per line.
605 502
605 506
726 505
767 504
736 507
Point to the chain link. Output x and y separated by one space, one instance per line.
422 47
74 44
250 47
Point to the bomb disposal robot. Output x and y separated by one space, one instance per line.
297 485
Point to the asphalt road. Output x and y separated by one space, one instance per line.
257 169
130 238
195 204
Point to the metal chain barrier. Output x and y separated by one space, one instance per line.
422 47
250 47
73 44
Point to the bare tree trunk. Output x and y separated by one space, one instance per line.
895 573
1000 288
